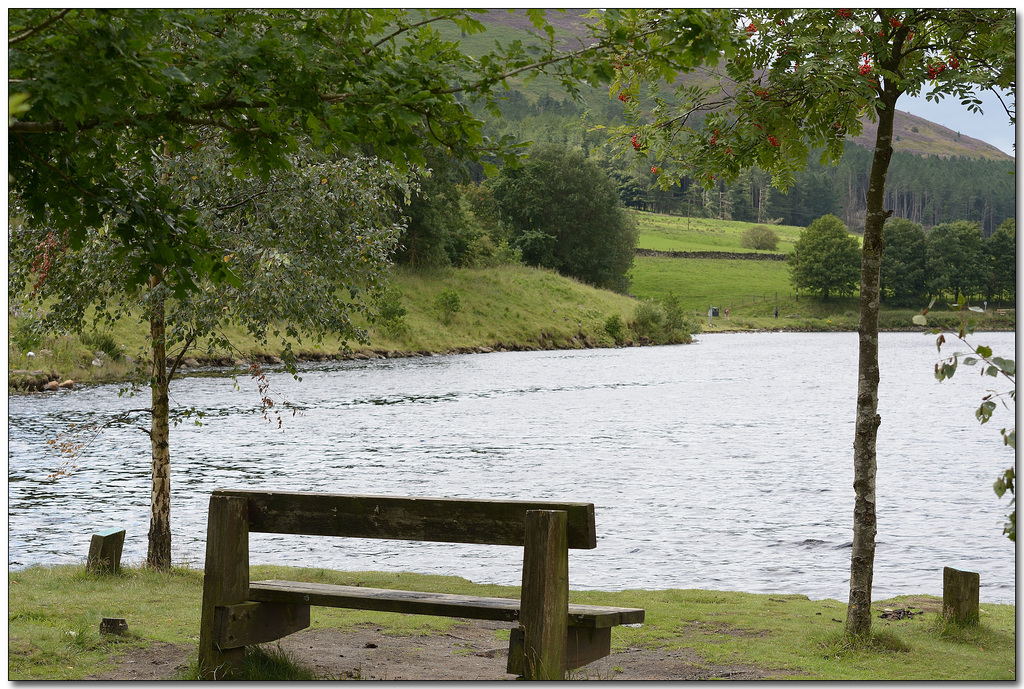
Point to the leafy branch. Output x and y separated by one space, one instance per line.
989 365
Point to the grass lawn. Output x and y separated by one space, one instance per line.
54 614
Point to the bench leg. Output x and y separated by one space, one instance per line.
225 582
544 614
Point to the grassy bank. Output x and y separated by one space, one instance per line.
510 307
505 308
54 615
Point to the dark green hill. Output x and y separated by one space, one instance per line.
913 135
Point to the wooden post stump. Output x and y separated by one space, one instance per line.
960 593
105 552
114 625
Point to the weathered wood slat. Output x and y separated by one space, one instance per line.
420 603
445 520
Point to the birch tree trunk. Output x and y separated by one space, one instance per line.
159 556
862 561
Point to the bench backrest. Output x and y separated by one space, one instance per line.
445 520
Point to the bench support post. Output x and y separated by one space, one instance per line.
545 595
225 582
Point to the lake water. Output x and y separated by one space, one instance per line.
725 464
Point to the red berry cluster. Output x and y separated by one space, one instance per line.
772 140
954 63
751 28
636 142
763 93
895 23
865 67
936 69
843 14
623 96
654 169
714 138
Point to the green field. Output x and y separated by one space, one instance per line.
700 283
677 233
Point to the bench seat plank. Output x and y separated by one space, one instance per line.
420 603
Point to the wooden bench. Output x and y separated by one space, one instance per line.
553 636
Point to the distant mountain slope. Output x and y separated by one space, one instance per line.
912 134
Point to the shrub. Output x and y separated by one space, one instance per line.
391 313
103 342
614 326
24 336
760 237
448 303
647 319
679 325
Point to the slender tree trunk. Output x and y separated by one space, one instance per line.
159 556
862 561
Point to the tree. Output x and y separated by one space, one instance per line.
116 96
437 228
956 259
803 80
903 277
760 237
1001 249
305 263
564 213
826 259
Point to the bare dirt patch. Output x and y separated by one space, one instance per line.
474 650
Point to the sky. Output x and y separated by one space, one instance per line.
992 127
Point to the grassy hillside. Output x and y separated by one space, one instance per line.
914 135
512 307
675 233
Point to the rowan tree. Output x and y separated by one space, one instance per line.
805 79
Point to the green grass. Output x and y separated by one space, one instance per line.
678 233
54 614
700 283
510 306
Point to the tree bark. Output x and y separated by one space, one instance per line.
862 561
159 556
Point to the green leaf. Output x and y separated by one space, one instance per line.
920 319
984 351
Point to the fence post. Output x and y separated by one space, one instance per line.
960 593
105 551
